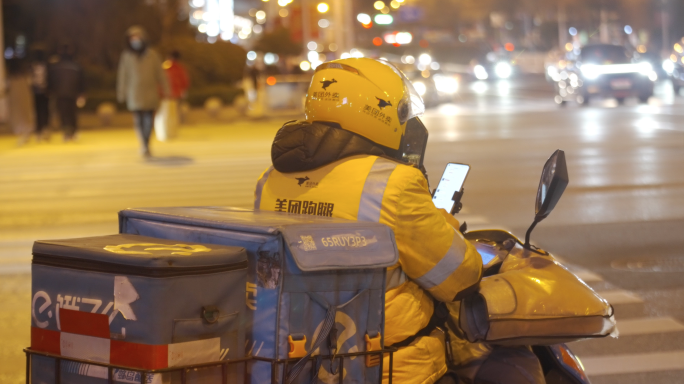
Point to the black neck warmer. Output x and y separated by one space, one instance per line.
303 146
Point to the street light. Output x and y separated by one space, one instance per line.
379 5
322 7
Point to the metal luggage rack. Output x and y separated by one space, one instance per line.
183 370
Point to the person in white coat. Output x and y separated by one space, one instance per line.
140 81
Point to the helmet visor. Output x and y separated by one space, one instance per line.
411 105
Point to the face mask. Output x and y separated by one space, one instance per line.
136 44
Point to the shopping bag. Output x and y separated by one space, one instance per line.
166 120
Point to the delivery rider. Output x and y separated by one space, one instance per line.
358 156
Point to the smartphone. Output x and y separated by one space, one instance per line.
451 182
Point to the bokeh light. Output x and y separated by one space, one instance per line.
363 18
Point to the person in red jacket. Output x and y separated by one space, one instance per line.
177 75
169 114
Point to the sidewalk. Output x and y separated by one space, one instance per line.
88 121
62 190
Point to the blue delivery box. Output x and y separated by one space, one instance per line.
315 286
135 301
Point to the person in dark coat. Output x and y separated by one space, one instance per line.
41 99
67 85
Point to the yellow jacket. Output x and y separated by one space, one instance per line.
433 256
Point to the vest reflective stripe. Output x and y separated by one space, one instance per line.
260 188
395 277
451 260
373 190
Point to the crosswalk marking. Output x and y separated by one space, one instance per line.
649 325
633 363
619 296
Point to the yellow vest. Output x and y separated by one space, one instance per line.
432 253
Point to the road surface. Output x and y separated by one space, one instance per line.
620 224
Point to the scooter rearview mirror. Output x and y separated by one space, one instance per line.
552 184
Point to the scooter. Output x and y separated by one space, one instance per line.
527 298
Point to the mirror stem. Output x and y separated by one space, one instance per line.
529 232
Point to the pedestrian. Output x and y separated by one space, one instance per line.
139 81
168 115
179 82
21 111
41 100
67 85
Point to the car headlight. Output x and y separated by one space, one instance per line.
668 66
645 68
480 72
420 87
590 71
446 84
503 70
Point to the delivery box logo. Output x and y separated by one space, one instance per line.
145 248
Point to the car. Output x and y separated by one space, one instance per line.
607 71
475 61
435 87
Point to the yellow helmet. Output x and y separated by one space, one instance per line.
369 97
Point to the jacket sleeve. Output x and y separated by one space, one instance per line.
432 252
121 79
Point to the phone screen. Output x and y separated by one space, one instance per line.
451 182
